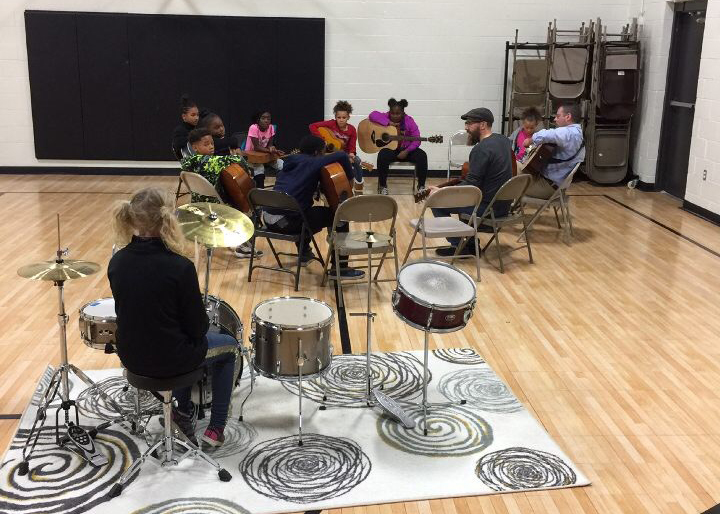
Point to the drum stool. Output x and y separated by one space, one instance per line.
165 386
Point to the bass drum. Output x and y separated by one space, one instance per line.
290 336
434 296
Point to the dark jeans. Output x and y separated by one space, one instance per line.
357 169
417 157
318 217
220 360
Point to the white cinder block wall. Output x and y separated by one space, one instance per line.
703 182
656 17
444 56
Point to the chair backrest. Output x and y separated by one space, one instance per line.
199 185
366 208
568 180
512 190
278 200
458 148
457 196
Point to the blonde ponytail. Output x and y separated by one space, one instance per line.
149 211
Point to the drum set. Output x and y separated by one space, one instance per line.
290 337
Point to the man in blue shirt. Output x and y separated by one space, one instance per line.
300 177
569 150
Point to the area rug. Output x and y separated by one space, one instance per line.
352 455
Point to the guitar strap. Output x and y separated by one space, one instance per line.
557 161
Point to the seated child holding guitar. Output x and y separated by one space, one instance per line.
261 135
338 134
209 166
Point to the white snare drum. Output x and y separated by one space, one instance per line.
434 296
291 335
98 324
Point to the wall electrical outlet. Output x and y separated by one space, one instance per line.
704 174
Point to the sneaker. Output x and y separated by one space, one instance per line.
382 191
244 250
186 422
449 251
214 436
358 187
346 273
421 189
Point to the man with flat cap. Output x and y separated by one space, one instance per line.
490 168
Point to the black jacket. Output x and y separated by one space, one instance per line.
180 138
160 314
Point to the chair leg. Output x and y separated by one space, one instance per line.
317 251
477 257
395 257
527 237
535 216
557 219
252 258
277 257
341 299
497 246
331 249
410 246
301 248
379 266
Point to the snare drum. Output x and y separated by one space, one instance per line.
98 324
434 296
290 335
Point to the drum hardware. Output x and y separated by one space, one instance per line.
214 225
59 271
413 304
373 395
294 349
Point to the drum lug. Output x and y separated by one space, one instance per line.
469 312
277 367
395 298
429 319
301 360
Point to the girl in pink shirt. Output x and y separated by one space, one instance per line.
260 139
531 118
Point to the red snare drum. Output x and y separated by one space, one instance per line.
434 296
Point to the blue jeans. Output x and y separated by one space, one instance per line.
441 212
357 169
220 360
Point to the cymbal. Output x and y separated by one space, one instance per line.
214 224
57 271
369 237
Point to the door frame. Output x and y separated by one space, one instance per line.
661 170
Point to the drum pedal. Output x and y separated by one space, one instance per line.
84 443
393 408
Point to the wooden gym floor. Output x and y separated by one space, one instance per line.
611 342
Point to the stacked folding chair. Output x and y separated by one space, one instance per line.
614 97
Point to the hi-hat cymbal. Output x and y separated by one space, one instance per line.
215 225
369 237
56 271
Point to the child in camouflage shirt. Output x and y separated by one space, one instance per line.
209 166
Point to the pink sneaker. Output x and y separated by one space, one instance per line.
214 436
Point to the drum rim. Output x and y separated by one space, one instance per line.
297 328
445 330
98 319
437 306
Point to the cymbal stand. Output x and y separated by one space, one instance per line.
208 260
82 440
374 395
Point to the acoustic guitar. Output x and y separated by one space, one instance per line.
334 144
255 157
536 158
373 137
335 185
237 184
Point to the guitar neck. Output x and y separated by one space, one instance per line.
406 138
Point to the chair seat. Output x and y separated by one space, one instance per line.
444 226
531 200
347 246
164 384
263 232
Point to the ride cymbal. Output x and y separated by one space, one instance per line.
215 225
57 271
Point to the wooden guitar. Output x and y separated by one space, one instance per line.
373 137
237 184
536 158
335 185
255 157
333 144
